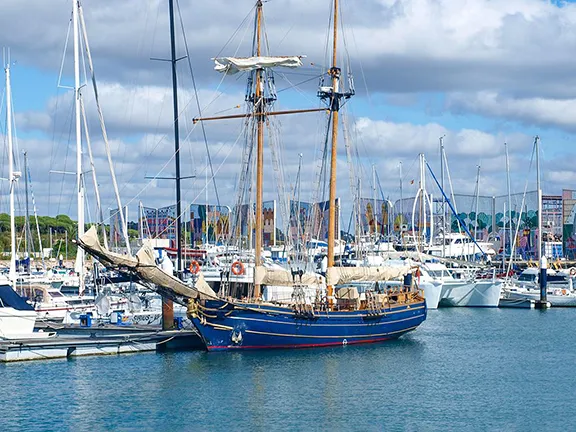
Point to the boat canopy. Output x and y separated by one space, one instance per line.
233 65
144 266
9 298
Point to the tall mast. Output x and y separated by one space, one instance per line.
259 99
27 233
401 202
374 200
207 239
123 221
11 175
539 188
299 237
173 60
334 108
422 219
79 265
167 304
259 109
443 202
509 203
477 203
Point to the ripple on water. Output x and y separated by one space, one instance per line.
463 369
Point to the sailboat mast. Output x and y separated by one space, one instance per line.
123 215
477 202
422 219
539 188
259 109
334 108
27 234
79 183
443 201
509 203
401 203
375 216
11 175
173 60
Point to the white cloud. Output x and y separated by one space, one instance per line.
403 46
406 139
495 58
537 111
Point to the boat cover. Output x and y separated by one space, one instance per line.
281 277
342 275
10 298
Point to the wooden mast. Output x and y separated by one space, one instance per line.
334 108
259 100
259 109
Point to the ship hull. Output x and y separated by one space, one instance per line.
472 294
226 326
432 293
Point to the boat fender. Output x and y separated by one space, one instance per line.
563 292
237 268
194 267
417 274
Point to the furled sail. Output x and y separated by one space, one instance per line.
232 65
342 275
422 257
281 277
144 266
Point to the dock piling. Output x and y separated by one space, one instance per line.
543 302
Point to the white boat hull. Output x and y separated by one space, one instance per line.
15 323
432 293
554 300
471 294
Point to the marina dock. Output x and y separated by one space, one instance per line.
76 341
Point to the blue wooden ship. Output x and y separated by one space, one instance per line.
338 315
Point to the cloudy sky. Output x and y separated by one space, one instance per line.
478 72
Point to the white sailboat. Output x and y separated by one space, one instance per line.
527 285
17 318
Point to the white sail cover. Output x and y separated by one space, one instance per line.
422 257
232 65
342 275
281 277
144 265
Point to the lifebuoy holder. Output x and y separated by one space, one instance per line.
194 267
237 268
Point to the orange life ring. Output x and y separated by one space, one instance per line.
194 267
237 268
563 292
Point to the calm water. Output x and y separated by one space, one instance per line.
464 369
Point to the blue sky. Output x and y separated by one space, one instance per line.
478 71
